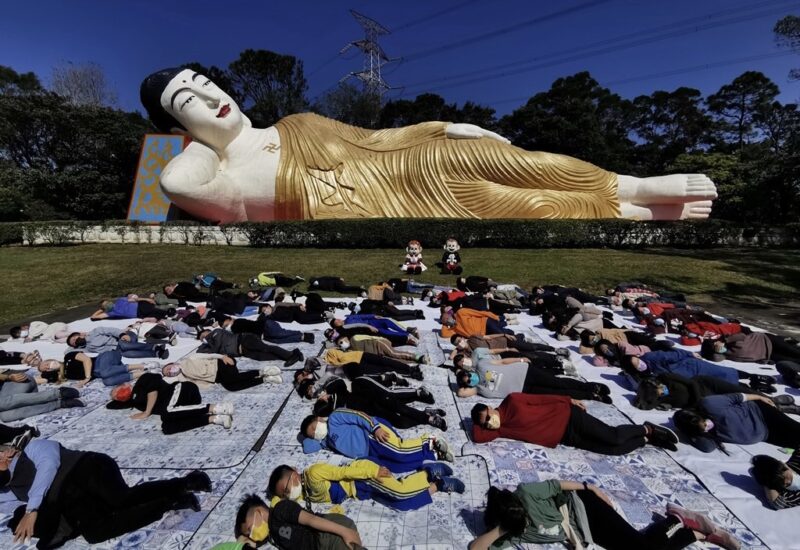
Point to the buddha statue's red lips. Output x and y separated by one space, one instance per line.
224 110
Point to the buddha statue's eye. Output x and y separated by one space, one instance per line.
207 83
191 97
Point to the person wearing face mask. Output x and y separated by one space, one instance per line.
61 494
224 342
103 339
396 333
374 396
205 370
755 347
377 345
179 404
82 368
744 419
289 527
493 377
549 420
689 365
355 434
590 339
40 331
781 481
468 322
369 363
130 307
363 480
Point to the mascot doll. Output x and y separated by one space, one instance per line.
451 260
413 265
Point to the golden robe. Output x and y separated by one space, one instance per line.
328 169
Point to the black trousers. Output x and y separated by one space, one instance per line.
290 314
146 309
315 304
369 395
370 360
232 379
782 430
10 357
376 307
587 432
613 532
333 284
188 412
254 347
100 505
782 350
540 381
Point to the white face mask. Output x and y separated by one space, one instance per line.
645 311
493 422
23 333
462 344
795 484
344 344
174 370
466 363
296 492
321 430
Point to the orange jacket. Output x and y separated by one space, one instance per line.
469 322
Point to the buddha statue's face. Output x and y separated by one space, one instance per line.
208 114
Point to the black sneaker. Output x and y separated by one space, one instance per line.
762 379
416 373
308 337
601 389
784 399
435 411
438 422
296 356
425 396
187 501
402 382
72 403
68 393
21 441
162 352
662 437
197 481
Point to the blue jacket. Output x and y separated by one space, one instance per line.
348 434
735 420
684 363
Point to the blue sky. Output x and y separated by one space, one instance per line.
613 39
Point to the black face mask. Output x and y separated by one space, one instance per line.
80 342
5 477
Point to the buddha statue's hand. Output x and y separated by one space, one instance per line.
470 131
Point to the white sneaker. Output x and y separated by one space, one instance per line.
272 370
274 379
152 365
223 409
173 340
221 420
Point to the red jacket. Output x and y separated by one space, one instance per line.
539 419
705 330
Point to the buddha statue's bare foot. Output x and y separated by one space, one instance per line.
697 210
664 190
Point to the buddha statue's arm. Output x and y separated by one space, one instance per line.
194 181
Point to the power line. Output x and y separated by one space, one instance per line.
600 51
512 28
419 20
671 72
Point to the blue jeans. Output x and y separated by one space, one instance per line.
109 366
136 349
274 332
20 400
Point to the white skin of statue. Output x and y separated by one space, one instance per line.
228 172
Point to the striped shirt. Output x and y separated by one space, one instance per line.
787 498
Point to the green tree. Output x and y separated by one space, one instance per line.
347 103
14 83
787 34
270 85
423 108
576 117
737 105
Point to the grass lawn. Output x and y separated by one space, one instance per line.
42 280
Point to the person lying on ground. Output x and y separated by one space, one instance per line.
274 279
30 358
377 345
475 283
20 397
781 481
672 320
288 312
127 342
269 330
490 376
130 307
576 318
397 333
224 342
289 527
184 292
693 334
744 419
179 404
158 332
590 338
64 494
335 284
689 365
549 420
82 368
205 370
540 355
533 514
672 391
470 322
39 331
755 347
356 434
370 362
370 395
363 480
385 309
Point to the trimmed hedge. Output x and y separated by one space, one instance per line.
394 233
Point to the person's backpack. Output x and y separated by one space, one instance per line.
205 279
